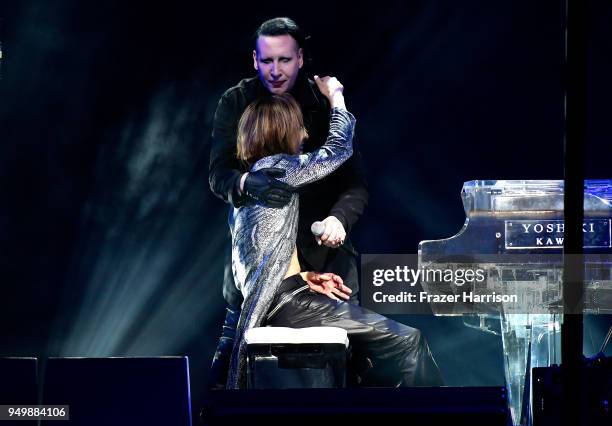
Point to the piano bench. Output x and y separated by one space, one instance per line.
286 358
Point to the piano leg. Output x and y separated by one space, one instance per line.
529 340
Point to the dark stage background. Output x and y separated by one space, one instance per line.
112 242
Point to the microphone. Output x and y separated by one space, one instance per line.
318 229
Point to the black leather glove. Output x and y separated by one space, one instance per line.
263 187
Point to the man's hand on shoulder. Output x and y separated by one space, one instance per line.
263 186
334 234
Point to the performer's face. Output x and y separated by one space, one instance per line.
277 60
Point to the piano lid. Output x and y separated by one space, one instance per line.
530 195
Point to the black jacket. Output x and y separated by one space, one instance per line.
343 194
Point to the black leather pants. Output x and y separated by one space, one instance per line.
383 352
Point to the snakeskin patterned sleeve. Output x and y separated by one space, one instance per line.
306 168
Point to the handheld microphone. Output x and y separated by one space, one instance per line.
318 229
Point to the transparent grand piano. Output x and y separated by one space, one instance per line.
514 232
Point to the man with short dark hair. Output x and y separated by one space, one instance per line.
338 201
279 59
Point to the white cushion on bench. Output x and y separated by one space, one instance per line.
309 335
